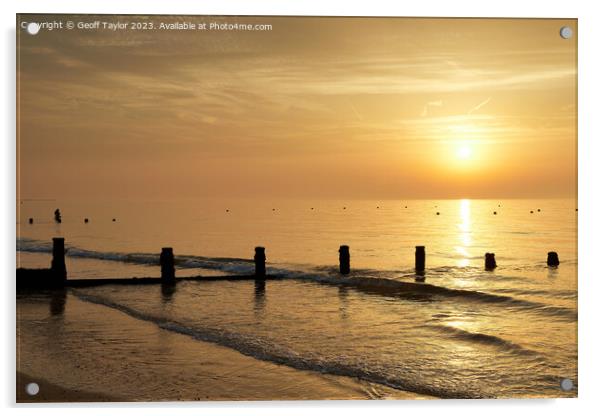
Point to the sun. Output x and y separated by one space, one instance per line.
464 152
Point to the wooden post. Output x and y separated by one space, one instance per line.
490 263
344 260
58 267
168 269
259 262
553 259
420 259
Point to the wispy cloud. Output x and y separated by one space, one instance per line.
425 109
479 106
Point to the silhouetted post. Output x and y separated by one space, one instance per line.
553 259
168 269
259 261
31 220
58 267
344 260
490 263
57 216
420 259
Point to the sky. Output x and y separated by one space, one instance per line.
385 108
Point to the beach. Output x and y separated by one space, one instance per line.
307 332
61 350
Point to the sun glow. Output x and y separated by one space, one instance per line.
464 152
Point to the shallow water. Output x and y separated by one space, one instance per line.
464 332
84 347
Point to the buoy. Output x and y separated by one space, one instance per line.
57 216
86 220
494 212
538 210
437 212
531 212
114 220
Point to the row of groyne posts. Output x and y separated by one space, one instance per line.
57 274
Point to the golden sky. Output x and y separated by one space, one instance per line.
316 107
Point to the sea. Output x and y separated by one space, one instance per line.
378 333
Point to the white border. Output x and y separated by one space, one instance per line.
590 209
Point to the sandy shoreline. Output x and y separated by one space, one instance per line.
91 353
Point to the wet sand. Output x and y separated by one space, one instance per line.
83 352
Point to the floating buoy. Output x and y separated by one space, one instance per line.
114 220
227 210
538 210
86 220
531 212
494 212
437 212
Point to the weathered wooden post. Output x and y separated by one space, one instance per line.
420 259
259 262
168 269
57 266
344 260
490 263
553 259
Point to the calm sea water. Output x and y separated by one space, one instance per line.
464 332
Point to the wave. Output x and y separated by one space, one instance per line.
266 351
375 282
427 292
232 265
480 338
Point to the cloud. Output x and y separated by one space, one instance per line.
425 110
479 106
